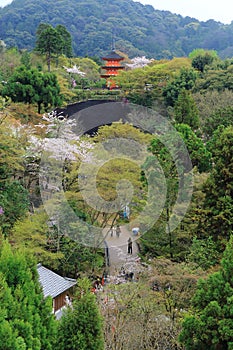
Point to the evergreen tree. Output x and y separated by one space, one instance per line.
202 58
66 42
81 326
49 96
14 198
26 59
198 152
48 41
185 110
26 319
218 204
53 41
185 80
31 86
203 252
222 116
8 337
211 324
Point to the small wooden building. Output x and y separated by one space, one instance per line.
55 286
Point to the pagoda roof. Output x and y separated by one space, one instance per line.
113 55
113 67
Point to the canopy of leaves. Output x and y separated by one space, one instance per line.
14 198
146 86
53 41
211 325
185 80
33 87
203 252
24 313
202 58
139 30
220 117
81 326
199 154
109 142
185 110
214 108
11 153
219 187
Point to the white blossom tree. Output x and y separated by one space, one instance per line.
59 146
75 70
139 62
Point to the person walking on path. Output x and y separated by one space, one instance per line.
118 231
117 249
130 246
113 231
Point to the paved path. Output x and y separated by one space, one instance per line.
118 250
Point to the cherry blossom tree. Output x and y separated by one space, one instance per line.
139 62
75 70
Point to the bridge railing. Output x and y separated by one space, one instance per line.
97 94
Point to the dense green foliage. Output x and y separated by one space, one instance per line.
81 326
138 29
194 95
185 110
202 58
198 152
53 41
33 87
203 252
26 321
211 324
14 197
219 187
185 80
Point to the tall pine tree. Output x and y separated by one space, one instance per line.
219 187
185 110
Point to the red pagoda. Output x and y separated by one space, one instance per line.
112 68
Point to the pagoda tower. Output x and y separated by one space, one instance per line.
112 68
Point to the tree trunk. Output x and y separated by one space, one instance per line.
49 61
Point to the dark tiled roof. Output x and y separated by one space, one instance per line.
113 55
113 67
52 283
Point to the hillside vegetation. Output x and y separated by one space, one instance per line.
180 295
138 29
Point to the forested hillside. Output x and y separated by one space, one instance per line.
138 29
167 172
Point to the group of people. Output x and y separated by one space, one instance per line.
115 230
98 285
129 276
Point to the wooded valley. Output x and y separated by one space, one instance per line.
180 167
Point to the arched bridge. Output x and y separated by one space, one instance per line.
92 114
